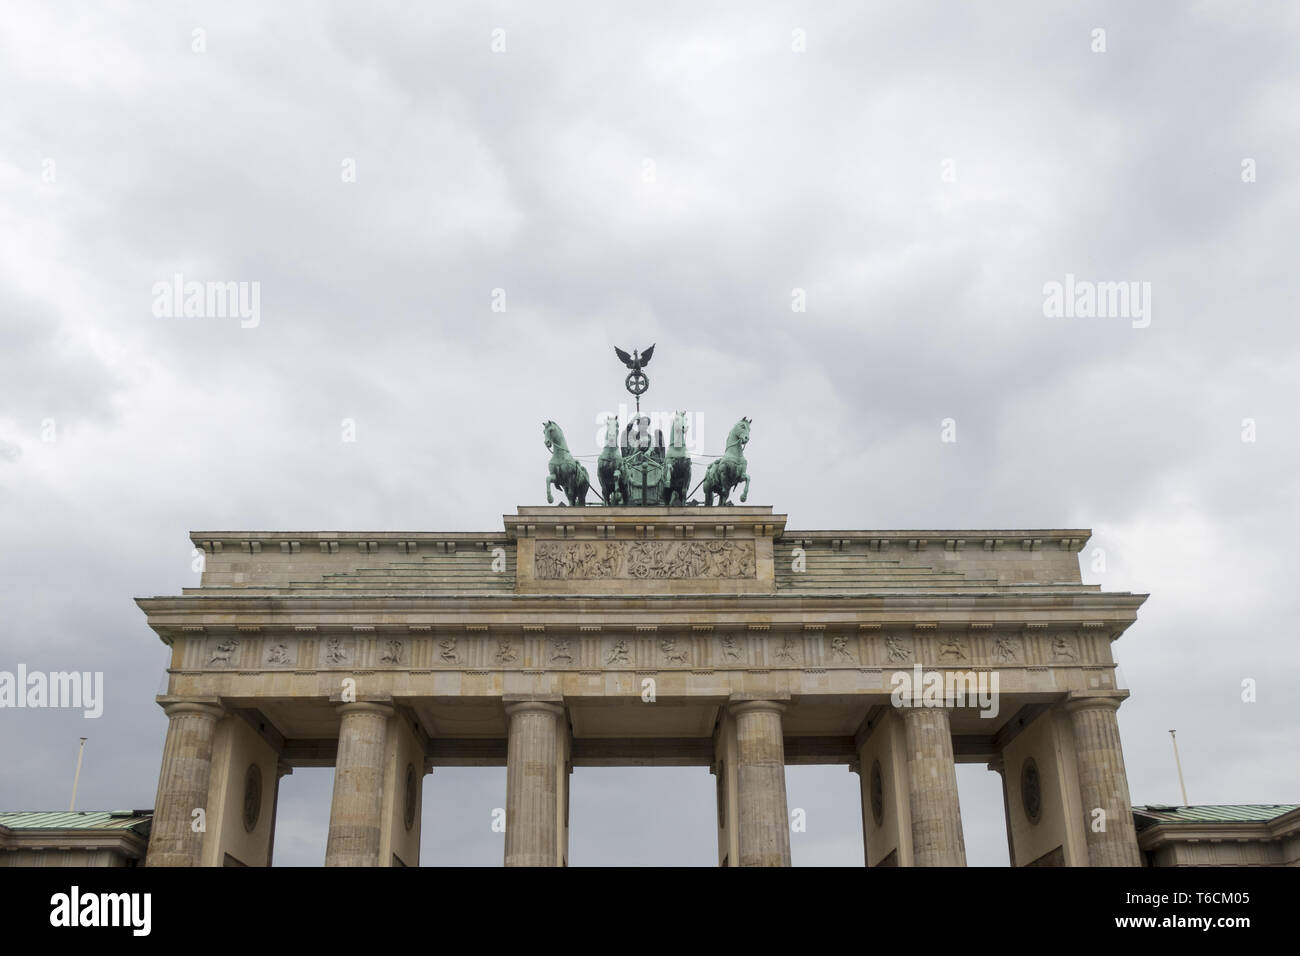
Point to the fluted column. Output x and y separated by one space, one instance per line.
183 783
532 783
932 788
356 813
764 822
1103 782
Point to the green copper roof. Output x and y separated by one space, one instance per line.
1214 813
136 820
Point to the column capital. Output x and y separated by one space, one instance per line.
381 708
738 707
912 712
534 705
210 707
1109 700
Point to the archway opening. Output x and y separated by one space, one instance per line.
642 816
983 817
462 820
302 817
825 806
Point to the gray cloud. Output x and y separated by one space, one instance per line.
772 171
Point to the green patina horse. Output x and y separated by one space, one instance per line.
564 472
677 464
610 470
731 469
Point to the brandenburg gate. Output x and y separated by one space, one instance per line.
646 635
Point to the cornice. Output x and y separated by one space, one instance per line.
757 521
1281 827
128 842
1109 614
1014 539
292 542
941 603
1162 834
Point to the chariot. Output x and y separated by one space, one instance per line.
635 468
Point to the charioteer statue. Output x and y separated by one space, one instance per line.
635 467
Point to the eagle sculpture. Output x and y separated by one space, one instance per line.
634 362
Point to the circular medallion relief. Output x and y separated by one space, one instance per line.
411 783
1031 792
252 796
877 785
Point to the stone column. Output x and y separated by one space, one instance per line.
864 805
999 766
764 822
356 813
1103 782
282 770
932 788
563 772
183 782
724 769
532 783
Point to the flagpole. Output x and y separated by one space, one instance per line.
77 777
1177 762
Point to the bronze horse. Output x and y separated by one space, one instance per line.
564 472
610 470
731 469
677 464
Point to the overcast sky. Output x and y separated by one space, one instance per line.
666 174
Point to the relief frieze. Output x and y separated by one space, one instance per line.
645 560
728 649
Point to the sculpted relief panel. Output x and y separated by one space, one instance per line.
570 560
